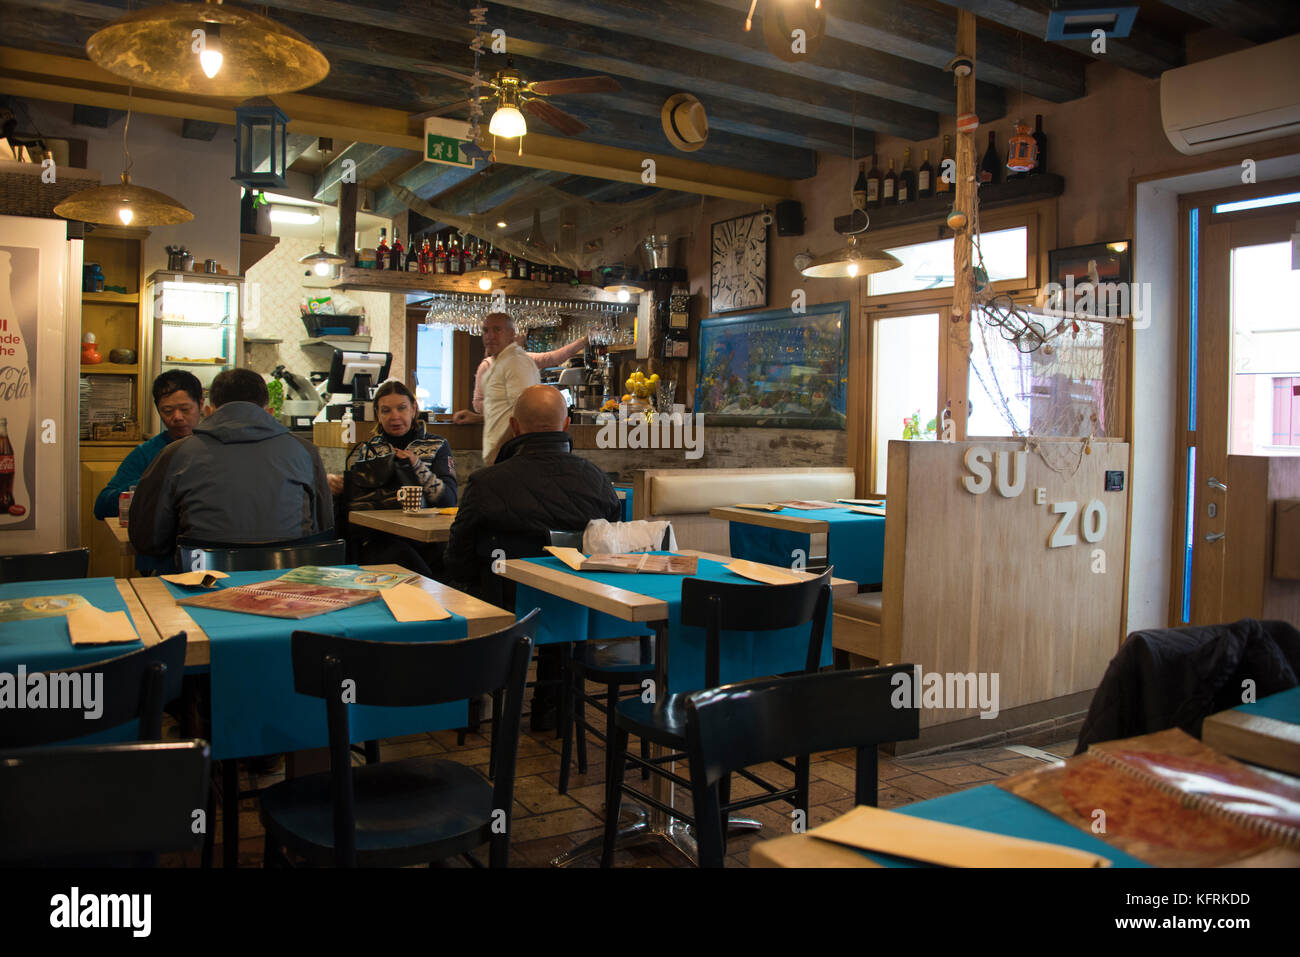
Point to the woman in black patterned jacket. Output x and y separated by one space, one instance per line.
399 433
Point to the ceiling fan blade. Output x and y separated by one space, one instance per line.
577 84
446 71
566 124
443 110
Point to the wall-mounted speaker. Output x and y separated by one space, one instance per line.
789 218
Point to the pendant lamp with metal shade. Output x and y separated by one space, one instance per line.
210 49
322 262
850 261
124 204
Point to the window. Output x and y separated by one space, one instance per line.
1263 406
929 265
433 367
905 384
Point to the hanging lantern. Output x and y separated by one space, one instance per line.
1022 153
260 152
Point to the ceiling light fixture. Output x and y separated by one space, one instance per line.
322 262
507 122
240 53
124 203
850 261
297 215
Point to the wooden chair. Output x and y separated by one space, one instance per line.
740 725
716 607
44 566
419 810
134 686
101 805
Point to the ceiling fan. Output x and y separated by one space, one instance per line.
513 93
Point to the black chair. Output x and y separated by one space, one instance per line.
419 810
716 607
751 722
102 805
133 686
42 566
264 556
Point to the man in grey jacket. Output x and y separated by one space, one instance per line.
240 478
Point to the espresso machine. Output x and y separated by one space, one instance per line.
588 383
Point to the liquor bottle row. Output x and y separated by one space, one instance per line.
454 255
874 189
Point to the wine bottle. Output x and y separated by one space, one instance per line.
398 258
381 254
1040 139
907 179
494 259
991 165
873 185
860 188
925 179
442 261
453 255
890 191
942 185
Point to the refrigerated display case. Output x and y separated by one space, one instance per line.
196 323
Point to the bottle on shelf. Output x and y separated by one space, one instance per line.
381 253
453 254
494 258
480 255
398 258
906 179
889 191
860 188
440 258
413 258
991 165
873 185
925 179
1040 139
942 185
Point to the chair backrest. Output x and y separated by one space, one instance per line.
86 806
409 674
731 606
566 539
740 725
42 566
121 689
191 556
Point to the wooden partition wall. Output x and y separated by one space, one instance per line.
997 563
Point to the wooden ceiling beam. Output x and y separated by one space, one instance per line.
359 161
928 35
1256 20
1146 51
776 100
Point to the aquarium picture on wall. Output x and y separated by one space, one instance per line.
776 368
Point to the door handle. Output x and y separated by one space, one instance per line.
1215 483
1215 536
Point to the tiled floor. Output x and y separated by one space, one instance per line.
546 823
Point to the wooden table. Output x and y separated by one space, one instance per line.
119 532
425 525
1256 738
169 618
629 605
787 523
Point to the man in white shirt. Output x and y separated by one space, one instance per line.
543 360
512 371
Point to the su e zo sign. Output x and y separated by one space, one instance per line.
1007 472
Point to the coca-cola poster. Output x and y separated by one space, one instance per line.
19 276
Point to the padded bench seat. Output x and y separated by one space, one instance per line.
857 625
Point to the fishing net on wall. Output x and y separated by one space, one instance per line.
548 225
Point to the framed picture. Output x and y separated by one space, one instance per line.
777 368
1114 266
738 264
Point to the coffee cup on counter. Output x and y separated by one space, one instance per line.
411 497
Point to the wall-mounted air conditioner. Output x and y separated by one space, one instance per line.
1243 97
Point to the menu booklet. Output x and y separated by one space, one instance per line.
1170 801
639 562
345 577
283 599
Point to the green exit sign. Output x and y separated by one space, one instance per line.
444 142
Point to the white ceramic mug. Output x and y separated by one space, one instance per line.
411 497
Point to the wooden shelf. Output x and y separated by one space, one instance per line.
112 298
91 443
253 248
387 280
348 343
935 208
111 368
250 341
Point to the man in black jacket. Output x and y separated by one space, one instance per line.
240 478
537 485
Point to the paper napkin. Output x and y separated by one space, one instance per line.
412 603
199 579
768 574
570 556
89 625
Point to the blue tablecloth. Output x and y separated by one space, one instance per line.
989 808
255 709
627 500
42 644
855 543
1283 706
748 655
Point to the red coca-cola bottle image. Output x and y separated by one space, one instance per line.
6 467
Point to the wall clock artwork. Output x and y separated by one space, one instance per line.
738 275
